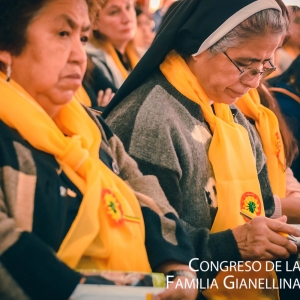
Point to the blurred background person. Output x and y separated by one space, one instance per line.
144 33
109 47
286 90
98 88
290 49
280 148
159 13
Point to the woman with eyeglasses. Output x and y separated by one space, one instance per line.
176 117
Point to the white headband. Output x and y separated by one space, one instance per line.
235 20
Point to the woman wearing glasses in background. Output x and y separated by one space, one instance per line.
175 116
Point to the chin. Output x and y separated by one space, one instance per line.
64 97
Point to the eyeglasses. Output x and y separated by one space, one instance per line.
249 73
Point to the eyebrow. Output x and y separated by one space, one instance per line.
73 24
113 7
251 59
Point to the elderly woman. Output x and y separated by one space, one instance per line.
175 116
62 204
113 29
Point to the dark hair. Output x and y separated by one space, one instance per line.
294 9
289 142
15 18
138 9
290 77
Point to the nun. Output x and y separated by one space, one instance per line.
176 116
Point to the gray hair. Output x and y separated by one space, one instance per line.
266 21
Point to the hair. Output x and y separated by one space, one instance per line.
289 142
294 9
265 21
15 17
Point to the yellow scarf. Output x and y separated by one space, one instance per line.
109 224
234 166
109 48
267 126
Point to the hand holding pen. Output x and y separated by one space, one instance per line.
250 216
262 238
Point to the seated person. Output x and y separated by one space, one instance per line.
280 148
175 114
63 202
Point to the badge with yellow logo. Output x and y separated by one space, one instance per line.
114 209
251 204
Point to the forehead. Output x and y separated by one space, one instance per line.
258 48
110 3
74 10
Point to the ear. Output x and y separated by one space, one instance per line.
5 58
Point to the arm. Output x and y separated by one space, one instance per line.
290 204
29 267
215 247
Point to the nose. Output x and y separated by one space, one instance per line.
78 54
252 82
126 16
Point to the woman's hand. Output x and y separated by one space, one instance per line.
104 97
260 239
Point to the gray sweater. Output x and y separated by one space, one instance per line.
167 135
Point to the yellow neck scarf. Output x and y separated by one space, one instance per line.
109 220
109 48
234 166
268 129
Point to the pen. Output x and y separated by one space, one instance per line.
250 216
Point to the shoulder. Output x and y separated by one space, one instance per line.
93 51
156 98
17 153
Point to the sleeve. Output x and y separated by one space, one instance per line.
166 238
95 81
29 269
217 247
292 185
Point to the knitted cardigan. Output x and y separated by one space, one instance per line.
167 135
36 212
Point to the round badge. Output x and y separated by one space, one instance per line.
113 207
251 203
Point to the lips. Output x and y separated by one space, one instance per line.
74 76
73 80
